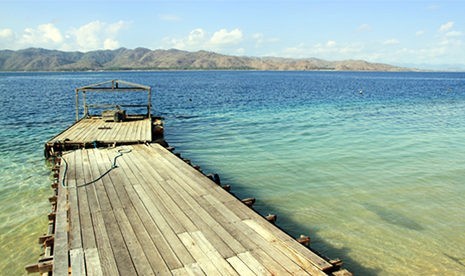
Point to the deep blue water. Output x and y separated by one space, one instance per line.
369 164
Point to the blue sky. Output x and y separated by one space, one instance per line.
425 34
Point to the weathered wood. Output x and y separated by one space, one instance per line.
239 266
41 267
92 129
84 229
194 269
253 264
202 259
155 214
92 259
113 232
60 245
209 250
134 217
193 211
76 258
106 257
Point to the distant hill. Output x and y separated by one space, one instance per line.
36 59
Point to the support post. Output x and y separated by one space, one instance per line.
77 105
86 109
149 104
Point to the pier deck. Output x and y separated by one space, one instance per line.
88 130
125 205
155 214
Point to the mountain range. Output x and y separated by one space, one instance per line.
37 59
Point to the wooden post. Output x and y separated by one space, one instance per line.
248 201
304 240
149 104
77 105
271 218
86 110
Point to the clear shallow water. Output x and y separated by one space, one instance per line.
375 178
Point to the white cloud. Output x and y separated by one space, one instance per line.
391 41
194 40
110 44
96 35
44 35
329 50
199 39
331 43
6 33
446 27
196 37
87 36
223 37
420 33
91 36
260 39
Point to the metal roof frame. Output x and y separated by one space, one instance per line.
113 86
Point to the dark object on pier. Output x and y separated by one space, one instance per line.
248 201
271 218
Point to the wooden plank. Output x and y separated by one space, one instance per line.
88 135
274 259
244 212
205 221
203 260
154 200
179 271
105 253
168 234
239 266
271 265
137 254
93 265
191 269
163 247
226 244
81 129
110 182
253 264
221 264
178 221
291 243
204 185
140 232
214 203
96 129
194 269
60 246
148 130
76 257
75 240
113 232
125 134
117 129
85 228
297 258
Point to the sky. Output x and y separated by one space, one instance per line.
415 33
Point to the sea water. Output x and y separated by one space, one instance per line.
370 165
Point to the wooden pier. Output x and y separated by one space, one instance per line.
132 207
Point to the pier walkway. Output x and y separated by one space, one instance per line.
155 214
125 205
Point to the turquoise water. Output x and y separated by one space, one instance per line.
369 165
